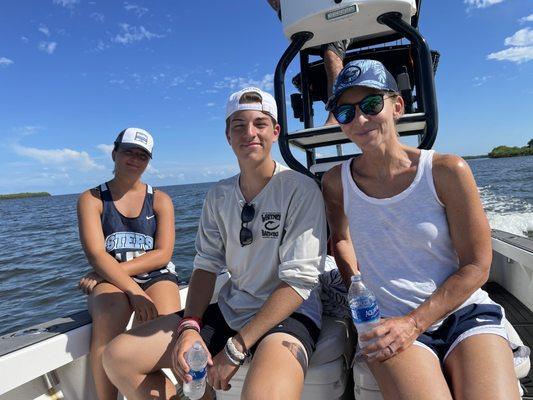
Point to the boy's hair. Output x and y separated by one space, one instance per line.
250 98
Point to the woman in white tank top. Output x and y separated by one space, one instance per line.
415 221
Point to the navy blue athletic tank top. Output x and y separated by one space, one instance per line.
127 238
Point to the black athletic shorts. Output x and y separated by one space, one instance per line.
162 277
216 331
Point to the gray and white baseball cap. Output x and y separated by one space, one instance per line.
135 138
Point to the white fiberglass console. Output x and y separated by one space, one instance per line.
333 20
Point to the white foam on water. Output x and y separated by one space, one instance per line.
507 213
520 224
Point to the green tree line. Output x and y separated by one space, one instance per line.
23 195
505 151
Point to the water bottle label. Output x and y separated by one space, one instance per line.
366 314
197 375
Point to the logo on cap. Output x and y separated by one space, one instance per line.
141 137
350 75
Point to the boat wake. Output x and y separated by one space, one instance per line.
507 213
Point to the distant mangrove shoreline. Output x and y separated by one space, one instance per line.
23 195
506 151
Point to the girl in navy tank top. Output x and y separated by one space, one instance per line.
414 220
127 232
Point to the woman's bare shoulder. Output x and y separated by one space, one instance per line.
447 166
332 178
332 184
452 176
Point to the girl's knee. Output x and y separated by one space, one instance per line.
112 308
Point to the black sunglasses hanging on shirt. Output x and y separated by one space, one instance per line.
247 215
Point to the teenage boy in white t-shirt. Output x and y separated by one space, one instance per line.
267 226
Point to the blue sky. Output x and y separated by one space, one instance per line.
73 73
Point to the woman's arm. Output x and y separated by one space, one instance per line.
93 243
470 235
164 239
343 250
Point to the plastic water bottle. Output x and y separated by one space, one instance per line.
197 360
364 308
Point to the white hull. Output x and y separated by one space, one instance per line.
22 370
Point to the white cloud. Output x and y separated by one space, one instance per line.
139 10
48 47
101 46
27 130
97 17
6 62
524 37
235 83
132 34
513 54
107 149
481 80
59 157
66 3
210 104
529 18
44 30
24 39
521 49
482 3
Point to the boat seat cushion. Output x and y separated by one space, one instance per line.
337 338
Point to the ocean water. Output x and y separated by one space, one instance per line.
41 259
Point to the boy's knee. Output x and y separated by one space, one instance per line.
116 357
250 393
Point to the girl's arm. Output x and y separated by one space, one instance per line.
164 239
93 243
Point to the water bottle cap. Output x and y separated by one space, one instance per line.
197 345
356 277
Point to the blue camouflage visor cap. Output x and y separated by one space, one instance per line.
366 73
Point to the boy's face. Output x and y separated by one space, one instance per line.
251 134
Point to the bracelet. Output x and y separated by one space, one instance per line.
188 323
232 350
184 328
198 320
230 358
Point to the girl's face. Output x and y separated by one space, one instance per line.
366 130
130 160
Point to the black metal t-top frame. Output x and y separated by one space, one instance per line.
423 76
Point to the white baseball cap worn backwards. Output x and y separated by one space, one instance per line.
267 105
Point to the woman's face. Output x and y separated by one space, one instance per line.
130 160
368 131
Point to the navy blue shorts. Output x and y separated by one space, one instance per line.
471 320
216 331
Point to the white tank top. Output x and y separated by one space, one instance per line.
402 243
